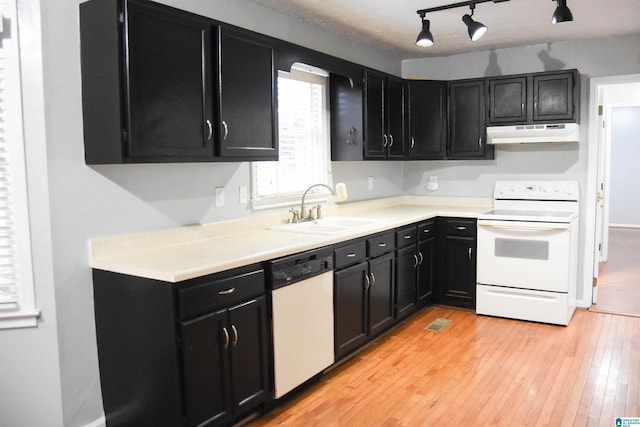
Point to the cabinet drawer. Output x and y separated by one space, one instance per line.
377 245
461 227
217 294
426 230
406 236
349 254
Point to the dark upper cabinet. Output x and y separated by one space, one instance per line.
546 97
247 97
507 100
555 96
151 87
384 116
467 133
345 103
427 120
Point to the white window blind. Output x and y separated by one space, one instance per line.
17 298
303 129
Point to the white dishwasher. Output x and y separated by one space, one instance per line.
302 302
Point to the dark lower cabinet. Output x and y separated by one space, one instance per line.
363 292
406 281
427 262
457 262
191 353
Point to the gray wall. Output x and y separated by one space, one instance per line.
593 58
624 197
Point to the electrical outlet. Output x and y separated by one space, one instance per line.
370 183
242 194
219 197
432 185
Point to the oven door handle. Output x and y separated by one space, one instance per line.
524 226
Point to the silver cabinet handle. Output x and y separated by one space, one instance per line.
413 142
407 236
235 335
382 245
480 142
226 130
226 338
461 228
210 130
227 292
470 252
385 140
373 279
415 261
351 255
426 230
421 258
367 281
391 140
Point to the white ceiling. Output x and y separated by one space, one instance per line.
394 25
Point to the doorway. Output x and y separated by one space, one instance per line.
611 177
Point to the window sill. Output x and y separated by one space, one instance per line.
22 319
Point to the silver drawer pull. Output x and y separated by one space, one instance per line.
382 245
227 292
426 230
461 228
351 255
407 236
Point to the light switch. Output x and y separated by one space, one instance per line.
242 194
219 197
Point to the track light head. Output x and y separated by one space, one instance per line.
562 13
476 29
425 38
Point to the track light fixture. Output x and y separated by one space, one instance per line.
476 29
562 13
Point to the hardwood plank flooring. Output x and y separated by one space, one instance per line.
619 277
480 371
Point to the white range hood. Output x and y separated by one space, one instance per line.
530 134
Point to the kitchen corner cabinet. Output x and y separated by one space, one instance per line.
150 88
548 97
197 349
467 133
363 291
457 262
427 120
384 116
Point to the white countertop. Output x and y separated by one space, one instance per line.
183 253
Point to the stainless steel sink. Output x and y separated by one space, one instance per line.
329 225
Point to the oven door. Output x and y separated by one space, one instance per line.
526 255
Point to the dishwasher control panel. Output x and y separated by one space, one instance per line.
294 268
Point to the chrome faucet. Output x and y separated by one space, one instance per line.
302 212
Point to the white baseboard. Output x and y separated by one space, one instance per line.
100 422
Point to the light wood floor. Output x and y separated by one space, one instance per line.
481 371
619 277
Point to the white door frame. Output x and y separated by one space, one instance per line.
596 87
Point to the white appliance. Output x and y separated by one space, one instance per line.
302 302
538 133
527 252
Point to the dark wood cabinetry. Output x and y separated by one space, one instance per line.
384 116
548 97
345 104
363 291
457 262
153 91
427 234
427 120
467 133
198 349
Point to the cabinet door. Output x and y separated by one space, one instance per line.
427 120
206 369
375 139
247 97
346 119
426 255
406 275
168 85
381 290
466 125
395 117
248 336
553 97
350 308
508 100
460 277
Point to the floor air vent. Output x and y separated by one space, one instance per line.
437 325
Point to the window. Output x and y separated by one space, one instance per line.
303 129
17 298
